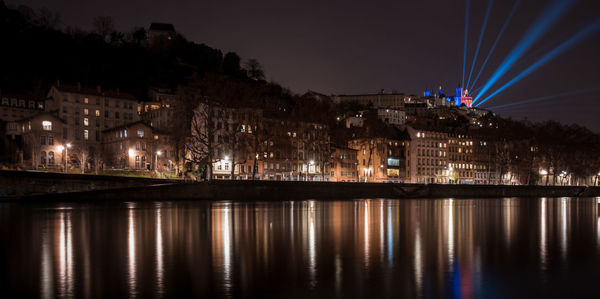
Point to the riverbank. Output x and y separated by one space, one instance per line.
28 186
27 183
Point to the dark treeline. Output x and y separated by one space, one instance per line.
550 151
36 53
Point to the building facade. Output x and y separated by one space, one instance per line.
389 116
43 145
428 156
379 100
382 159
460 159
87 112
344 165
137 146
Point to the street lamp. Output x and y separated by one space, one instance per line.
131 154
66 156
60 148
158 153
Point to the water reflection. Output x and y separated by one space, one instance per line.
159 253
47 278
65 247
543 234
131 263
408 248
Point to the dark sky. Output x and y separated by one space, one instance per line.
345 47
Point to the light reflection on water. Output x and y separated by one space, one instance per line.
380 248
131 262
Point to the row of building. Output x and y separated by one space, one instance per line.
92 128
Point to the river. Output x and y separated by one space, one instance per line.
378 248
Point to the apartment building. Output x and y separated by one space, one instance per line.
158 112
382 159
86 112
137 146
43 145
344 165
428 156
460 159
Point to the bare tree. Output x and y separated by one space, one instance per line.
254 70
104 26
82 156
201 149
47 18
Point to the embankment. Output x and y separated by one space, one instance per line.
277 191
25 183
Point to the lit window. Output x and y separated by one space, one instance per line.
46 125
86 100
97 113
86 134
125 133
86 111
140 133
86 121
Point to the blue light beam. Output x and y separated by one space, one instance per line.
468 4
539 99
485 21
510 15
548 57
548 17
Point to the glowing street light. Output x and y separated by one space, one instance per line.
60 148
158 153
543 172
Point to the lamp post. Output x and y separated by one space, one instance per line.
131 154
544 173
66 156
60 148
158 153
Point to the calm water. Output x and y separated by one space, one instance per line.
364 248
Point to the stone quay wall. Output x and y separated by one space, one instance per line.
86 187
24 183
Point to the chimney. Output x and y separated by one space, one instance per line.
78 86
98 88
118 91
58 83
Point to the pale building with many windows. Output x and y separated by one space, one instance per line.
86 112
460 159
428 156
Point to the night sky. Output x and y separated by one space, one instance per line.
345 47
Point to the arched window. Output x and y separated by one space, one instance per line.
43 158
51 158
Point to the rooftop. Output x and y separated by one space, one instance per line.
162 27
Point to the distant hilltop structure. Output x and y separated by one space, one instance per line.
160 31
